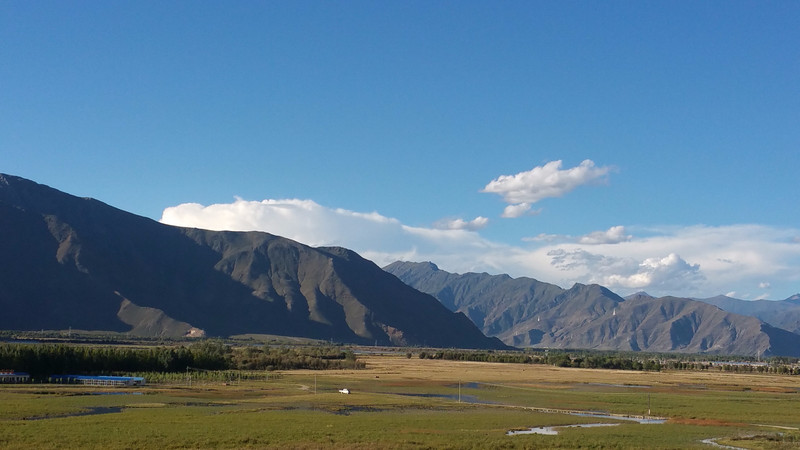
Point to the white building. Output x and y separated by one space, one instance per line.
9 376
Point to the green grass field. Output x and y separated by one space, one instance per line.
410 403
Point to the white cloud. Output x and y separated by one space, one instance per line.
543 237
302 220
668 273
379 238
520 191
475 224
763 285
712 260
519 210
613 235
697 261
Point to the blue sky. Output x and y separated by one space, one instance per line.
408 130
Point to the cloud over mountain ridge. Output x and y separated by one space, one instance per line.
692 261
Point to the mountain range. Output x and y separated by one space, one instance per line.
76 262
527 312
782 314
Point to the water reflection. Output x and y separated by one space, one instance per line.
463 397
552 431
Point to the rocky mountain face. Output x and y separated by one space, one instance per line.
77 262
527 312
782 314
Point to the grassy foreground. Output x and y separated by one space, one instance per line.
411 403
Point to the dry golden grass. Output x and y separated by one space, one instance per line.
399 368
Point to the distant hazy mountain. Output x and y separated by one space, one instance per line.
527 312
782 313
77 262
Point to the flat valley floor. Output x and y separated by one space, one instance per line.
400 402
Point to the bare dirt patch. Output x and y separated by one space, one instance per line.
706 422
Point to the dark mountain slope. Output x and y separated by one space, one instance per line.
78 262
98 254
676 324
34 279
567 320
526 312
782 314
495 303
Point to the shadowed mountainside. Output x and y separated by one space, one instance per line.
527 312
77 262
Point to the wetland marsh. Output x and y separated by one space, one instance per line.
397 402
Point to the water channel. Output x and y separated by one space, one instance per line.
552 431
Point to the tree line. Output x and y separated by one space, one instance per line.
43 360
623 361
560 359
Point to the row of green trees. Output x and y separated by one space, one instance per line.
560 359
290 358
623 361
479 356
43 360
775 367
603 362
